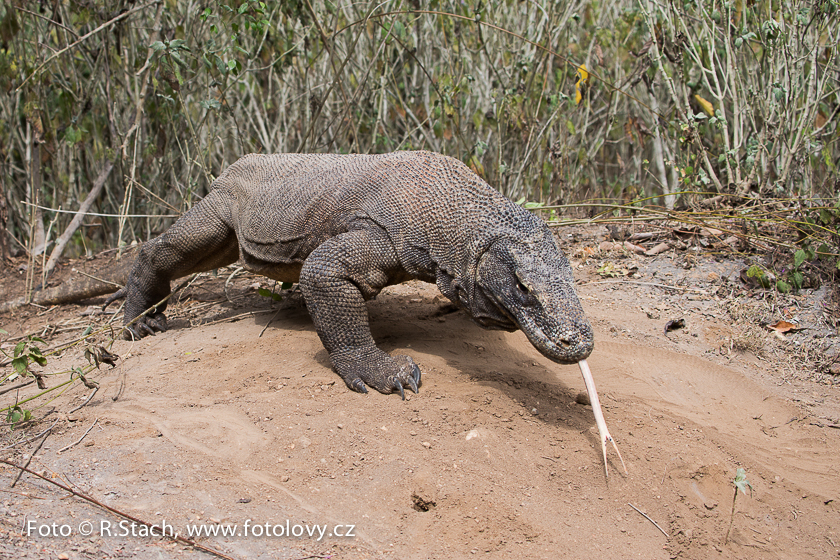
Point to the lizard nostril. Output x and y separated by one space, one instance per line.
565 343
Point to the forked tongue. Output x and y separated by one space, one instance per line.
599 416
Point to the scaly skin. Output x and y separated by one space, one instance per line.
346 226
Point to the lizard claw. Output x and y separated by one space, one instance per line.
147 325
412 384
415 376
399 387
363 368
357 385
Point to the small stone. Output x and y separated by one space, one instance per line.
340 426
834 369
427 445
284 478
63 556
412 433
583 398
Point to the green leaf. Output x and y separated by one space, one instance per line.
796 279
570 126
20 365
14 415
157 46
19 348
741 482
782 286
823 250
286 285
211 104
179 61
798 258
269 294
755 272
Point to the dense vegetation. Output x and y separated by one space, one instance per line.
552 102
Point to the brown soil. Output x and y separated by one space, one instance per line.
239 417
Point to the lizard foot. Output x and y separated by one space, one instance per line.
146 325
372 367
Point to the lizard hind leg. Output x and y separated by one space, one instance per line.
336 279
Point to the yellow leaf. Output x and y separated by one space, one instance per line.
707 107
580 85
583 75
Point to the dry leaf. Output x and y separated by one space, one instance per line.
820 120
634 248
783 326
656 249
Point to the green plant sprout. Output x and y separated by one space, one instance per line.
741 483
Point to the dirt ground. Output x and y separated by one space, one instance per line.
234 417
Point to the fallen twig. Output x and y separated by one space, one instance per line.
176 537
33 438
653 284
77 442
31 456
269 322
649 519
87 400
19 386
235 317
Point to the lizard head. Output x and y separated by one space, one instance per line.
528 284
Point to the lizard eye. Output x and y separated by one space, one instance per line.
522 287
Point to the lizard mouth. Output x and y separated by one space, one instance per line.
568 349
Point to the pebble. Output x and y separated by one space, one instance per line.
427 445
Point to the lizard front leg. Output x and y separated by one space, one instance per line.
200 240
336 279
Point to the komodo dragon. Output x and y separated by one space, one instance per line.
346 226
